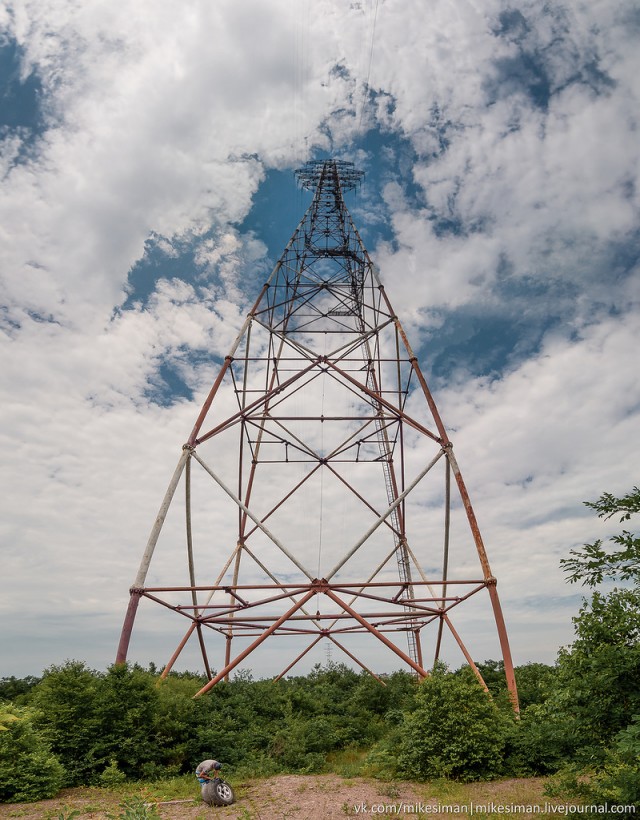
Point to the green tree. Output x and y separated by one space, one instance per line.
237 720
67 701
599 675
175 722
618 782
13 688
593 563
28 769
602 667
535 683
91 719
587 717
594 691
128 703
455 730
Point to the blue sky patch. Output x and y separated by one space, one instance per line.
20 98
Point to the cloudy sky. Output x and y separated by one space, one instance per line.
146 153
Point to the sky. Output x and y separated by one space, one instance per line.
147 153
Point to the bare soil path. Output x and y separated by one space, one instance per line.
310 797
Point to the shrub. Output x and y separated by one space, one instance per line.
112 776
455 731
618 782
28 769
67 703
544 740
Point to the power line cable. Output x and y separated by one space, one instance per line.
365 92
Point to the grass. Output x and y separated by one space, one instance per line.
181 787
347 763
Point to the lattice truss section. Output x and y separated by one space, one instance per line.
319 491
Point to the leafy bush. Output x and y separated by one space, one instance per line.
112 776
544 740
28 769
293 724
67 703
535 680
91 719
618 782
596 699
455 731
127 707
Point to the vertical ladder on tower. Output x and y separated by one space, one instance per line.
402 554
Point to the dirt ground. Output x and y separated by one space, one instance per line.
299 797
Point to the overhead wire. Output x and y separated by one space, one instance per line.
297 74
366 88
301 13
301 26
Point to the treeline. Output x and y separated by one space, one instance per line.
580 719
76 726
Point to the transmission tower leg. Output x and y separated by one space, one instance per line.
125 636
127 627
504 645
179 649
465 652
203 650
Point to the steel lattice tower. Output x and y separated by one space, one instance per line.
317 496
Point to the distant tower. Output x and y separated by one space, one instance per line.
317 497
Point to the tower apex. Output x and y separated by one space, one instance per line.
337 170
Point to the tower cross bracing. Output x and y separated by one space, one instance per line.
319 495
